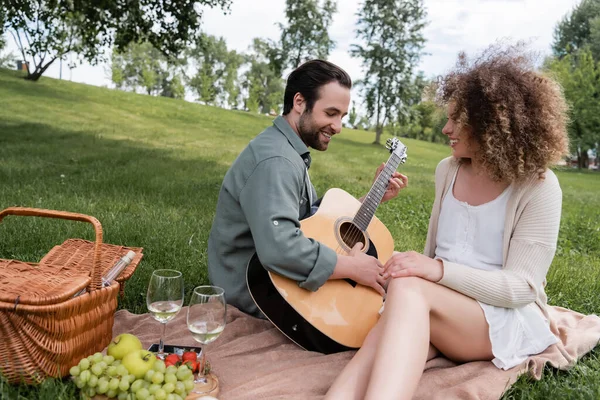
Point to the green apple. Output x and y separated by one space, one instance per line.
139 362
123 344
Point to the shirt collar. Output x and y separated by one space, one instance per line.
284 127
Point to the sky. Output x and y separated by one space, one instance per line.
453 26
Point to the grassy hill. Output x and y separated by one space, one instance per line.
150 170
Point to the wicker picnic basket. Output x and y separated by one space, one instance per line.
44 328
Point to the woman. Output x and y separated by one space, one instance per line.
477 292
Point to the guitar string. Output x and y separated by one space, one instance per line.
355 232
350 238
359 232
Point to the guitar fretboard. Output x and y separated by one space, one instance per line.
363 217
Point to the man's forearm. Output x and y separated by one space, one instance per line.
344 268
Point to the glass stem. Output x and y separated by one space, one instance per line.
201 377
161 344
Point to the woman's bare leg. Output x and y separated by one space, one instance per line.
418 312
352 382
405 334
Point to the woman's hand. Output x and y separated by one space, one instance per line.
397 183
412 263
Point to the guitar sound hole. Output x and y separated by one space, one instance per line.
351 234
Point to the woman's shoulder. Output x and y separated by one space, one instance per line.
447 162
444 166
546 181
550 178
544 187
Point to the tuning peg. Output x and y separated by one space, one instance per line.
391 144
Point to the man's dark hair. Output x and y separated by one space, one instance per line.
308 78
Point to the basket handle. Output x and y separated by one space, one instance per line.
96 282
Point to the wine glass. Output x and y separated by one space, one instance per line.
164 299
206 318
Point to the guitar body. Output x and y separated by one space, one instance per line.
341 313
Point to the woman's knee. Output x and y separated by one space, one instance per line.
408 290
407 286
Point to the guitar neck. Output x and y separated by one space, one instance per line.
363 217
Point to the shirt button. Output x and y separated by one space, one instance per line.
275 223
306 160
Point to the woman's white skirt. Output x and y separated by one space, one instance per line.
517 333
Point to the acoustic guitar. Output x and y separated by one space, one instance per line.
340 314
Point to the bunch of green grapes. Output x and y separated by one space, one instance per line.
99 374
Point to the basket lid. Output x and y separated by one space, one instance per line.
60 274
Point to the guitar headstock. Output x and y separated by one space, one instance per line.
394 145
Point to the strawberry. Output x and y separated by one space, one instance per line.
172 359
192 365
189 356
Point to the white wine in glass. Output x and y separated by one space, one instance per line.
164 299
164 311
206 318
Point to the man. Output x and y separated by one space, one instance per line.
267 191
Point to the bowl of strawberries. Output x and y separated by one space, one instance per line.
189 358
179 355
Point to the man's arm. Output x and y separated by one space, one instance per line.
270 200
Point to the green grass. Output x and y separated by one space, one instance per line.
150 170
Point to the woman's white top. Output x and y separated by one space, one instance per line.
472 236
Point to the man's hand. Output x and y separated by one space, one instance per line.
397 183
367 270
412 263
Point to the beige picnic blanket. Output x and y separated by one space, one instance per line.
253 360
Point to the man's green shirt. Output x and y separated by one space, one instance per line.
264 195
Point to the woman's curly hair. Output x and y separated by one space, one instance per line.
518 116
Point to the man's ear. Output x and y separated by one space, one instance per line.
299 103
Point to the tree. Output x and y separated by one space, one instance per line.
46 30
579 29
216 71
173 87
144 67
579 75
411 110
231 92
117 70
6 60
364 123
141 65
391 32
426 123
305 36
353 116
262 84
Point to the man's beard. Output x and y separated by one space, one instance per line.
309 132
